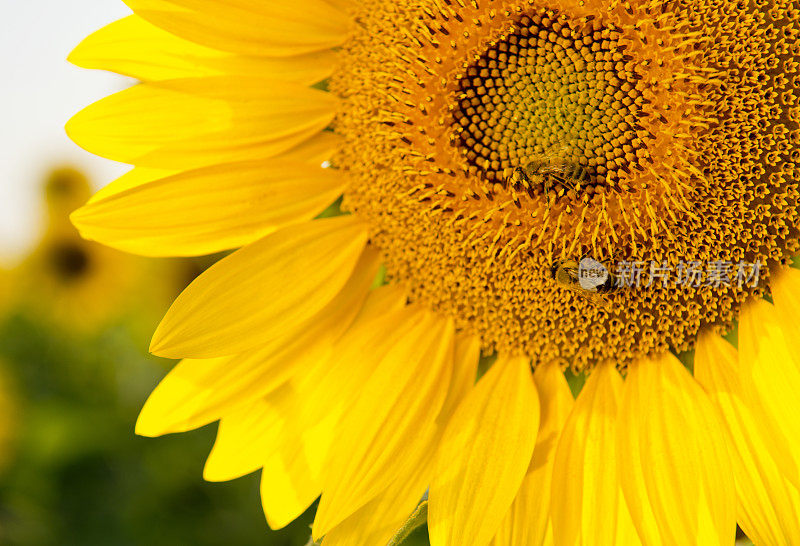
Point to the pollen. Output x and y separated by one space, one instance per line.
683 117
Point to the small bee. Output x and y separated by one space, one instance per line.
553 171
589 279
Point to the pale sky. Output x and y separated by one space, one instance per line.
39 91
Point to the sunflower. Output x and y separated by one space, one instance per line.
66 280
81 286
477 146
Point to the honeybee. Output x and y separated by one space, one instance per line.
588 279
554 171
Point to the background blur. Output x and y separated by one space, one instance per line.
75 322
40 91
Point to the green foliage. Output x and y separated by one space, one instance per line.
79 476
687 359
334 209
575 381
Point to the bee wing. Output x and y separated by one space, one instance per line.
592 297
551 156
560 167
554 153
567 275
559 150
559 160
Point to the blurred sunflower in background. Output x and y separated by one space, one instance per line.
73 372
340 354
65 278
82 286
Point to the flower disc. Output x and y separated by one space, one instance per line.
683 117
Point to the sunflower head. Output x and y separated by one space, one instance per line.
68 260
487 154
481 143
672 143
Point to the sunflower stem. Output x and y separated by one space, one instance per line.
417 519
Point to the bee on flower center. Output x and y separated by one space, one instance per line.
588 279
553 173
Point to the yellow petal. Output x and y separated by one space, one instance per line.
270 287
291 477
316 150
209 209
194 122
465 371
769 506
770 379
131 179
247 436
246 430
383 303
484 455
133 47
379 435
332 386
528 521
586 498
785 288
266 434
250 27
324 388
313 151
343 5
197 392
178 396
672 458
378 520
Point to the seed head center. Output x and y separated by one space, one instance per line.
556 89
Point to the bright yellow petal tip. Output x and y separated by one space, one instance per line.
270 287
